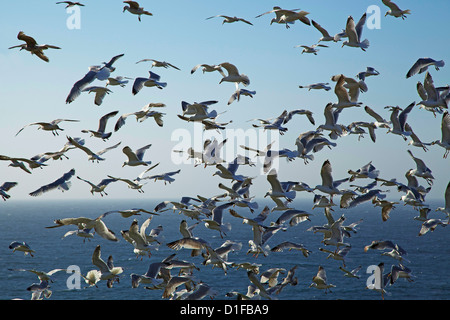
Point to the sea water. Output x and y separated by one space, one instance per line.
428 256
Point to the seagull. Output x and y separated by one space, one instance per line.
347 98
62 183
354 33
338 254
216 221
5 187
107 270
87 223
422 64
82 233
42 275
100 93
366 171
240 92
276 190
100 133
92 156
431 224
325 35
317 86
18 162
131 184
446 208
130 212
21 246
294 217
328 185
143 114
287 16
432 99
275 124
312 48
234 75
320 280
166 177
71 4
400 271
137 237
32 46
49 126
229 19
352 273
40 290
288 245
398 120
370 71
152 81
444 142
82 83
134 8
100 188
135 157
384 245
395 11
421 169
118 81
157 63
208 68
386 207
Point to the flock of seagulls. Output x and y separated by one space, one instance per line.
215 212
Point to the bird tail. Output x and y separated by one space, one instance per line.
365 44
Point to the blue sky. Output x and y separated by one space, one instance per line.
179 33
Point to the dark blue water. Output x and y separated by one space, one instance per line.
428 256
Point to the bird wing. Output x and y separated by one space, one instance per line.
321 29
350 30
272 177
140 152
340 90
103 120
231 68
325 173
29 40
103 231
108 148
98 261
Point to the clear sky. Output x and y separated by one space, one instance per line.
178 32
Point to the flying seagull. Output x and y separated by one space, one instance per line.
32 46
62 183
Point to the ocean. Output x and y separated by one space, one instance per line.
427 256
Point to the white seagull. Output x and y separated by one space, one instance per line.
135 158
422 64
354 33
21 246
234 75
62 183
320 281
229 19
276 190
328 185
49 126
92 156
100 187
157 63
444 142
134 8
5 187
151 81
395 11
208 68
100 132
398 120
